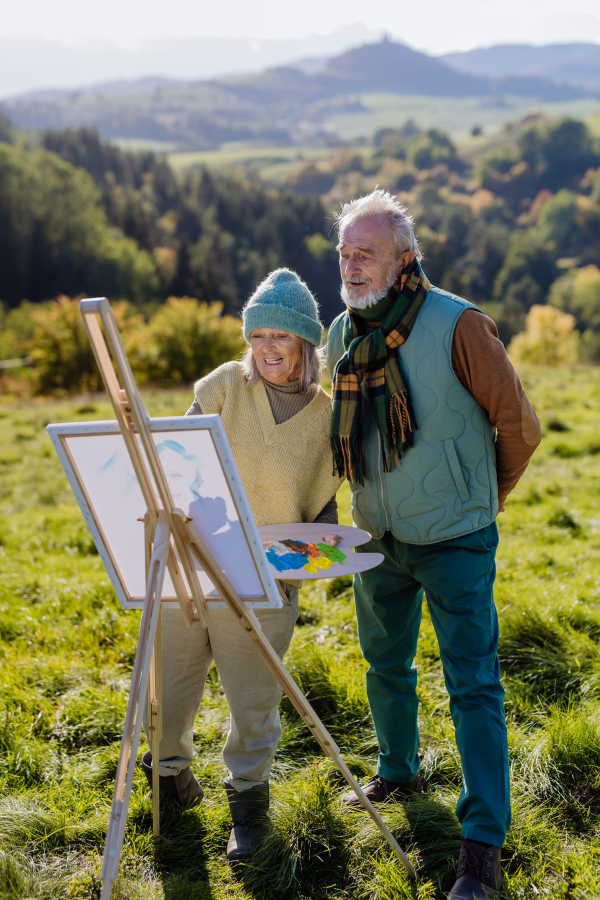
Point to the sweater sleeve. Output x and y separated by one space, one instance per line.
329 513
194 409
211 391
483 368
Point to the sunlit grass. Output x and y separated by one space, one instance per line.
66 651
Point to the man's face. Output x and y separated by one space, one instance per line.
368 262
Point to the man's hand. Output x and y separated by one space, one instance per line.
332 539
501 508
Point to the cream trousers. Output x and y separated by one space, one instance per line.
252 692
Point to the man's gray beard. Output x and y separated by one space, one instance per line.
372 297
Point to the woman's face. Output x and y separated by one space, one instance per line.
277 354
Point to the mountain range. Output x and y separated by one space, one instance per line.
286 104
575 64
34 62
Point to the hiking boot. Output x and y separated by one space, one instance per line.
479 876
380 790
183 789
249 813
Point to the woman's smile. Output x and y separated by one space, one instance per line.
277 354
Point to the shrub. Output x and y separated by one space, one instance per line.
61 351
549 338
185 340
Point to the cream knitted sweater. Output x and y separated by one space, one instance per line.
285 468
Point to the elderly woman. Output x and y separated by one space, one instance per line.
277 419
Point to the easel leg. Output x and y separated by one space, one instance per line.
328 745
154 697
248 621
133 719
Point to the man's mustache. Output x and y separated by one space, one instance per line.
348 282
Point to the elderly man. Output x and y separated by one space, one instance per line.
433 430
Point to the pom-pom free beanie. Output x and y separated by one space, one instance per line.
283 301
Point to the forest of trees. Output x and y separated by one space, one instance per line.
78 215
513 226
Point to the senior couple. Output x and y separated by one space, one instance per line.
431 426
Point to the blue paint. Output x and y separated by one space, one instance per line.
195 485
285 562
109 463
176 448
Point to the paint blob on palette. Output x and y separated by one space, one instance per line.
297 551
293 554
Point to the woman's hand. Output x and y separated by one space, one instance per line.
332 539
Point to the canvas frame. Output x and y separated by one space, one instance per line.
59 433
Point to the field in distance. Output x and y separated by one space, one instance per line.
456 116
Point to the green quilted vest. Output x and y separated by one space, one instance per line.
445 485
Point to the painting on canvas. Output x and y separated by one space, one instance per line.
204 484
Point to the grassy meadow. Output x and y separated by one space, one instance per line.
66 655
456 116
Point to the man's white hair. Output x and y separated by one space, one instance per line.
381 204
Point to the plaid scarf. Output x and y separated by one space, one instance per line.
375 356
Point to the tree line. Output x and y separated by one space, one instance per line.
509 226
78 215
509 222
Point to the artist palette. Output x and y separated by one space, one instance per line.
298 553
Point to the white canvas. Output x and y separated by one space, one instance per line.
204 484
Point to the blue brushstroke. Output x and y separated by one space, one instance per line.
195 485
109 462
176 448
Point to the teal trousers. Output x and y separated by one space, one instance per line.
457 577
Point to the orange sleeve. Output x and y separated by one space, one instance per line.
483 368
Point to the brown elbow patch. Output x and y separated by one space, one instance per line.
530 424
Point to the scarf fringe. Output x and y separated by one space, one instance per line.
401 419
347 460
401 426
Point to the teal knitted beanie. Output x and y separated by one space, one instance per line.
283 301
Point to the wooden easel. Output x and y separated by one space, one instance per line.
173 542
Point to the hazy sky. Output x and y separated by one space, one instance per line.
436 26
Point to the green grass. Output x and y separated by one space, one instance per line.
269 162
66 651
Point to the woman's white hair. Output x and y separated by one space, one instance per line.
381 204
313 360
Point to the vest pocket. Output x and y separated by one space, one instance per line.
456 470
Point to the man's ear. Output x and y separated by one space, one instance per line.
405 260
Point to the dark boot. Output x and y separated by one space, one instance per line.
380 790
183 789
249 812
479 875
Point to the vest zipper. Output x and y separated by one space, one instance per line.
379 469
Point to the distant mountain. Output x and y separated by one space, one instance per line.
105 89
575 64
386 66
279 105
397 69
32 63
390 67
